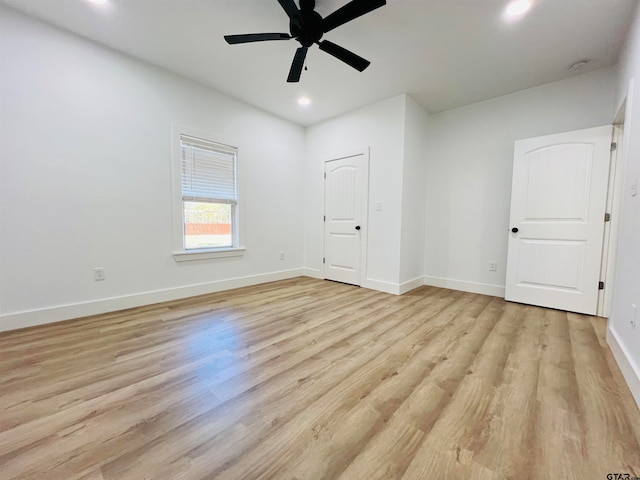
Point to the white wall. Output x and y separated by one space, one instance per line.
413 194
85 179
623 338
380 127
468 177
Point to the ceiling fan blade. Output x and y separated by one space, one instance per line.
255 37
345 55
289 7
353 9
297 64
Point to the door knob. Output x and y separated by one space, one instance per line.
514 229
357 227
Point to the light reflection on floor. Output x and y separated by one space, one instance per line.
217 348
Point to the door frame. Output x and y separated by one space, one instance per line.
364 232
614 203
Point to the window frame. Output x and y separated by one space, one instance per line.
180 253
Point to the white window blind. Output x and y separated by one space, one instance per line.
208 171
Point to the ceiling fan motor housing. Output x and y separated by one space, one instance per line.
306 27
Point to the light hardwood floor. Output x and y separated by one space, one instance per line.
306 379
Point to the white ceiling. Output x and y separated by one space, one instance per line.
444 53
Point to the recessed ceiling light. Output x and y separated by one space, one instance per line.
517 8
304 101
97 2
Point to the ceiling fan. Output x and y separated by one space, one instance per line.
307 27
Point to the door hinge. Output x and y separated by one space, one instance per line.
325 175
614 146
600 285
607 217
323 260
324 218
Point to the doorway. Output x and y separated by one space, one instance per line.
346 192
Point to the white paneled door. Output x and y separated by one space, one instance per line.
345 201
558 201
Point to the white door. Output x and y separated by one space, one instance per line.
345 201
558 200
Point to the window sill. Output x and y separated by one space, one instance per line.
192 255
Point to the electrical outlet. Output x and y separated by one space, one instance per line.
98 274
281 255
634 316
493 266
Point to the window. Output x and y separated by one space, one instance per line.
208 197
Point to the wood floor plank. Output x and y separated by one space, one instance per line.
272 418
610 441
389 453
341 440
155 426
504 444
56 390
308 379
559 428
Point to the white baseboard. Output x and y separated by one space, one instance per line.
471 287
313 273
411 285
402 288
13 321
379 285
629 369
30 318
382 286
